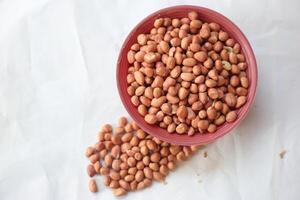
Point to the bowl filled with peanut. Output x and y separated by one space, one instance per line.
187 75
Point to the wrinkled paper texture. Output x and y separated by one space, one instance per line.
57 86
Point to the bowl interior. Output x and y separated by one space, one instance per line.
206 15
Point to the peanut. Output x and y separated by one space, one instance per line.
93 186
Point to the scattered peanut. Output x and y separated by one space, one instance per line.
135 158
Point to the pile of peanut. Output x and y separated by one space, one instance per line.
187 75
129 159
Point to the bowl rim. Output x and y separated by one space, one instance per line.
246 47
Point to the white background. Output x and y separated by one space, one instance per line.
57 86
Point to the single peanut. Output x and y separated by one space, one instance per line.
119 192
93 185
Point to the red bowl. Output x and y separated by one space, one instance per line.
206 15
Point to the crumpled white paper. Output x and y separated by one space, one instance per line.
57 86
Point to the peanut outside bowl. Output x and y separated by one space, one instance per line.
207 15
